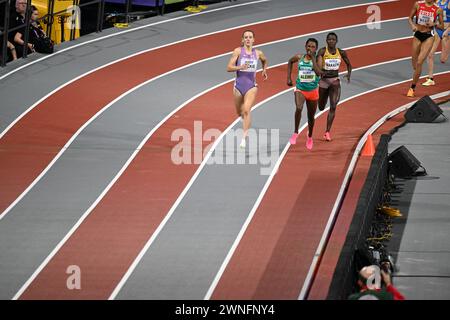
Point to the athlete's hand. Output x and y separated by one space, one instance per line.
243 66
311 54
289 82
264 74
414 28
446 32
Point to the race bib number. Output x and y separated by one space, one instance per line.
251 65
332 64
425 18
306 76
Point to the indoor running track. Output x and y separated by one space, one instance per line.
87 173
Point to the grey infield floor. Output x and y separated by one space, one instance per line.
421 241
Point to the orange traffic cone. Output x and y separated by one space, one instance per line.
369 148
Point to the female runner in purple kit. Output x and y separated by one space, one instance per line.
244 62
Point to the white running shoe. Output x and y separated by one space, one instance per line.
429 82
243 143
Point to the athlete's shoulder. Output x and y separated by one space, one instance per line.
321 51
260 54
237 50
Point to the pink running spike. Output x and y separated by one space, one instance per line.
309 143
327 136
293 139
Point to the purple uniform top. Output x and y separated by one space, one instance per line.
246 79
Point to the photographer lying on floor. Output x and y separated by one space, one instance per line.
371 288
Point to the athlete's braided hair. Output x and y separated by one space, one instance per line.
313 40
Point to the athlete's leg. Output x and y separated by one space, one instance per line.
335 95
299 101
249 101
416 44
311 105
430 60
445 46
238 101
323 97
424 51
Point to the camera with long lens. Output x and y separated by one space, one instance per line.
382 259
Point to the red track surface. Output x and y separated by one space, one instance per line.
105 256
274 256
36 139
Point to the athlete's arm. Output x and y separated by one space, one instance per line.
411 17
318 70
440 20
264 63
232 67
347 62
320 56
291 61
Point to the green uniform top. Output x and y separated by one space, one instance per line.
307 79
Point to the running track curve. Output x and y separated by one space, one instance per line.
32 141
38 119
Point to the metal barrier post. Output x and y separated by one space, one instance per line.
100 13
99 10
160 7
74 17
27 29
127 10
51 5
5 34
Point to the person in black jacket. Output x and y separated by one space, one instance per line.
37 39
17 19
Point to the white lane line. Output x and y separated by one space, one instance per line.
127 31
70 141
108 187
180 198
105 191
195 37
333 215
185 40
191 182
266 186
